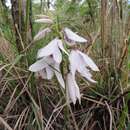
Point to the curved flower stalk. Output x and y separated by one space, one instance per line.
51 57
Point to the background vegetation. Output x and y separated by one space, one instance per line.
28 103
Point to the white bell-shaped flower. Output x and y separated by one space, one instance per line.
41 34
41 16
44 19
81 62
73 89
53 48
46 68
71 37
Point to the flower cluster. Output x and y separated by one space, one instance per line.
50 58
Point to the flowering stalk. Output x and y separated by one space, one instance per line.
51 61
66 109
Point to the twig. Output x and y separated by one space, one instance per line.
5 123
94 40
110 113
119 97
124 53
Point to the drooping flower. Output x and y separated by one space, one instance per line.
41 16
46 68
50 62
73 89
44 20
81 62
41 34
71 37
53 48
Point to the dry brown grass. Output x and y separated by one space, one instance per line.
30 103
6 49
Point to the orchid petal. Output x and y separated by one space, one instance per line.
49 60
70 43
44 20
73 36
57 56
60 44
59 75
38 65
71 87
89 62
91 80
75 61
48 49
49 72
77 91
41 34
42 16
85 73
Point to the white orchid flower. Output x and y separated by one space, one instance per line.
41 16
53 48
71 37
44 20
81 62
73 89
41 34
46 68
